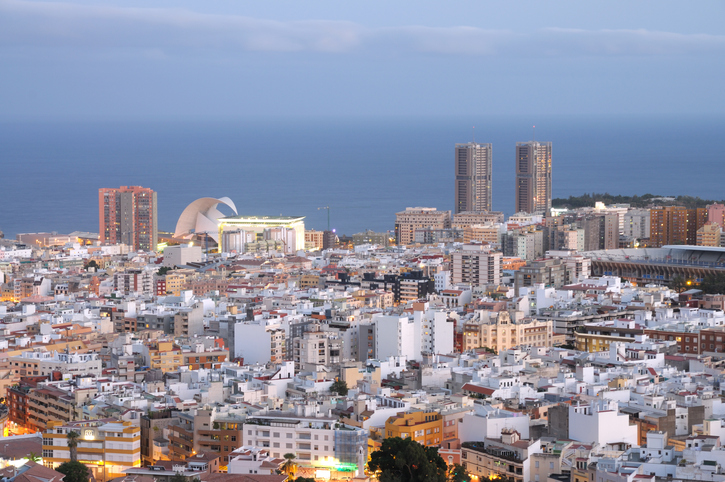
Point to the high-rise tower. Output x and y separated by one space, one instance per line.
533 177
473 177
128 215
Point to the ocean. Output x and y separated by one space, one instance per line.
364 169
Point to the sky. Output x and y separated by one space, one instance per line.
225 59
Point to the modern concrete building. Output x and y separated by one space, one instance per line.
287 232
473 177
675 225
549 272
181 255
128 215
636 224
533 177
316 440
709 235
472 218
476 265
406 222
202 217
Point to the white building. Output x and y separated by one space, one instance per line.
409 336
488 422
600 422
316 441
253 460
181 255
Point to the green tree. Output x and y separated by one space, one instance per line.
92 264
163 270
458 473
304 479
678 283
405 460
33 457
73 437
289 466
340 387
713 284
74 471
178 477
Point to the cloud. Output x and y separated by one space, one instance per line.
181 32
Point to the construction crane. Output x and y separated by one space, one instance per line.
328 215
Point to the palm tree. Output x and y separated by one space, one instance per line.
73 444
289 466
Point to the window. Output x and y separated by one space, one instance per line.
551 465
536 464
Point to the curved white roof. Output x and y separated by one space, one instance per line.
202 216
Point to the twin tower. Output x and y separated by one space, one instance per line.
533 177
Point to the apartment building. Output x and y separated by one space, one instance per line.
476 265
507 457
675 225
128 215
315 440
497 331
207 430
408 221
316 347
39 363
466 219
425 427
107 446
132 281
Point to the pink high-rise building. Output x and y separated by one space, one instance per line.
716 214
128 215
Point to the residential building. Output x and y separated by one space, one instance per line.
507 457
473 176
549 272
206 430
254 460
106 446
482 233
370 237
533 177
637 224
464 219
37 362
600 422
499 332
128 215
476 265
406 222
716 214
709 235
316 441
425 427
313 239
675 225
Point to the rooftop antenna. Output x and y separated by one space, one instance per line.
474 134
534 133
